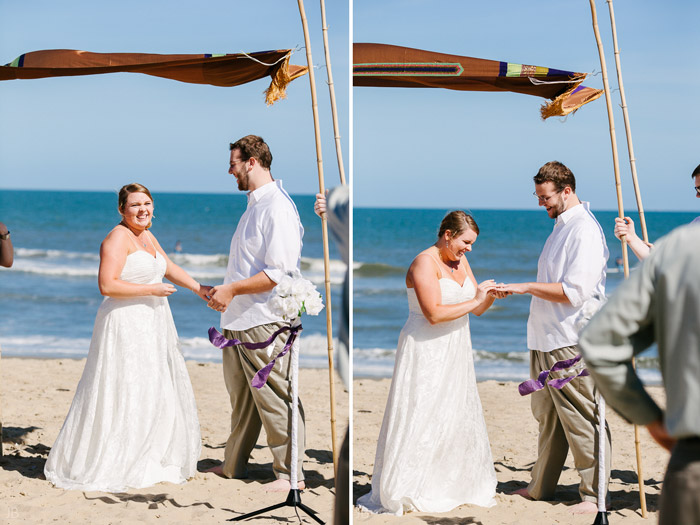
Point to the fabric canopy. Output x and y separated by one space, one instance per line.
216 70
383 65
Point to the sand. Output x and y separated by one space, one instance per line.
513 436
36 395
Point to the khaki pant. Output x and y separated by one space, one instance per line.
680 494
252 408
568 418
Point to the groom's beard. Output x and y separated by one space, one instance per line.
243 182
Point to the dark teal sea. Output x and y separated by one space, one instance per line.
49 298
507 249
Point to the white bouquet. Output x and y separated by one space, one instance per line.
293 296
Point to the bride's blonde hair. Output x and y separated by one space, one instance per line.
457 222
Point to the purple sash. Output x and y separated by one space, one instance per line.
533 385
260 378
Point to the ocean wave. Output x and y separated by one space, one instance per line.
484 356
498 370
54 254
313 348
376 269
53 269
203 267
312 264
199 259
45 346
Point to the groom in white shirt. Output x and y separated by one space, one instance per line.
266 246
570 287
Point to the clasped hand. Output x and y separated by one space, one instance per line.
490 287
219 297
510 289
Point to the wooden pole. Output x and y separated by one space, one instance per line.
334 111
642 222
620 210
628 129
0 413
324 229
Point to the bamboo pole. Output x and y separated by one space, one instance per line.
628 129
334 111
324 229
620 210
642 223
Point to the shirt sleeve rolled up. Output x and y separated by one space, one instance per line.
581 277
282 237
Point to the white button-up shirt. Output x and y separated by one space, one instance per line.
574 255
268 239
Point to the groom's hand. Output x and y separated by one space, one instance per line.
204 292
221 296
513 288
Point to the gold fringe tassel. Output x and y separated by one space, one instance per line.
281 76
556 107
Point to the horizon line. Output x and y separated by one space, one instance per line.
355 207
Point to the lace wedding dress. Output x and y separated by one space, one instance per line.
133 421
433 452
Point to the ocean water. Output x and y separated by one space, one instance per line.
49 298
507 250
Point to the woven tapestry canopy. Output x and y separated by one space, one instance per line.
215 70
383 65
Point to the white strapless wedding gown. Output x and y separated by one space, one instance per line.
133 421
433 452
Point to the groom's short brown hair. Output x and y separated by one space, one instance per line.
556 173
253 147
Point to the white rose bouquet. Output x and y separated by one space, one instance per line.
293 296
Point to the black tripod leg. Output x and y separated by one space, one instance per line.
293 500
256 512
311 513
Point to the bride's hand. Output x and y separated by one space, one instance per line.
483 289
163 289
204 292
221 296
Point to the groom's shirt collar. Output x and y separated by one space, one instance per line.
257 194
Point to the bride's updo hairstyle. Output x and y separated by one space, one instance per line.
457 222
129 189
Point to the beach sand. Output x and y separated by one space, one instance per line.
36 395
513 436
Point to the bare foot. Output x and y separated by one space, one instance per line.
585 507
282 485
218 470
522 492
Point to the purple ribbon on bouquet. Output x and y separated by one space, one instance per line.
260 378
533 385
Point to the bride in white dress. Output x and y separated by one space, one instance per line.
433 452
133 421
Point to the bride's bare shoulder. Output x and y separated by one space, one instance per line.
422 266
117 239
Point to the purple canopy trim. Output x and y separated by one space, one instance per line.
260 378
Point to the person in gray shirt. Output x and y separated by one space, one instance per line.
659 303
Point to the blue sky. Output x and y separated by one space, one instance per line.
417 148
100 132
448 149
